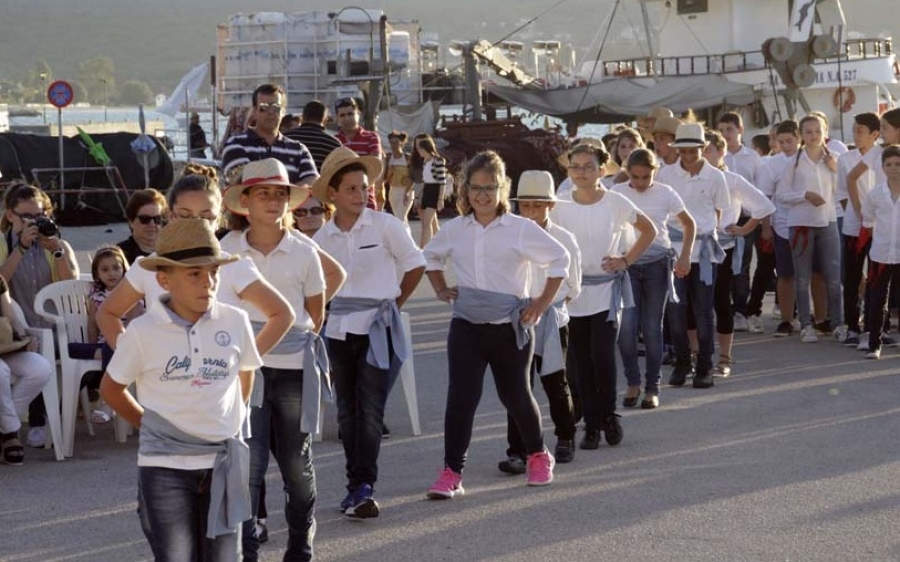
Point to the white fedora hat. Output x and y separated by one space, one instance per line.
269 171
689 135
535 185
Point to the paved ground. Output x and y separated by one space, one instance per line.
793 458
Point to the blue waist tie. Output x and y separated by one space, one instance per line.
622 296
387 316
480 306
709 250
316 372
546 338
229 493
655 253
737 257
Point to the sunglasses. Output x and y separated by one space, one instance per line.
314 211
264 107
147 219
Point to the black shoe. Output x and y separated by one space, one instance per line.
680 374
703 380
385 432
512 465
650 401
591 439
669 359
612 429
783 330
565 450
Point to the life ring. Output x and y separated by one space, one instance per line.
843 99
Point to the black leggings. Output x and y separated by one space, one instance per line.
592 349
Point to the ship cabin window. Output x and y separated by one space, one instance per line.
689 7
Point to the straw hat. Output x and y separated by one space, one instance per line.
590 141
689 135
660 112
339 158
263 172
666 125
7 343
186 243
535 185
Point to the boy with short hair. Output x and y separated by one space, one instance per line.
191 359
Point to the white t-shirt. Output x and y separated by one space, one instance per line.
864 185
882 215
703 195
803 175
660 203
294 269
598 229
188 374
233 279
371 253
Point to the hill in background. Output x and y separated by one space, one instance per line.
158 41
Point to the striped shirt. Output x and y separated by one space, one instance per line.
319 141
365 143
249 146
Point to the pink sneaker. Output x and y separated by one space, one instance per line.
448 485
540 468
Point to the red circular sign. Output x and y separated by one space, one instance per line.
60 94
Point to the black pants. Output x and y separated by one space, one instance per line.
592 347
854 260
740 285
878 285
471 348
557 389
722 296
763 276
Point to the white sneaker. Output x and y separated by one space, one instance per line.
808 335
840 333
863 342
740 322
755 324
776 310
37 437
795 324
874 354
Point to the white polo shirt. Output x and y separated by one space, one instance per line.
882 215
571 287
188 374
598 228
294 269
864 185
659 202
801 175
872 159
703 195
371 252
743 162
233 279
744 196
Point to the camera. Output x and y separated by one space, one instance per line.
46 227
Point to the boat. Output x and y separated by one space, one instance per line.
768 59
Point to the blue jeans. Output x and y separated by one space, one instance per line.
649 283
822 245
176 504
362 392
698 296
278 418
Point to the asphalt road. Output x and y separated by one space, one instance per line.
792 458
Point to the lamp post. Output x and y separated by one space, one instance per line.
105 99
43 76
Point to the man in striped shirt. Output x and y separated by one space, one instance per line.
265 141
312 133
359 140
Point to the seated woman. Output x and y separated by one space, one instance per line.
145 213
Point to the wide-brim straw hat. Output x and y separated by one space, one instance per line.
269 171
340 158
7 343
666 125
689 135
659 112
186 243
535 185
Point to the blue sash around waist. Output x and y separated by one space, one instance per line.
621 296
386 317
480 306
709 250
546 338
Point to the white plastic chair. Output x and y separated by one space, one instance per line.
71 302
407 379
44 336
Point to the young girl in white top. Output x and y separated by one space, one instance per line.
881 213
813 225
598 218
434 174
492 252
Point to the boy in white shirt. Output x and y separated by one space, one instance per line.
191 359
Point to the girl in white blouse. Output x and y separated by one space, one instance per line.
598 218
492 252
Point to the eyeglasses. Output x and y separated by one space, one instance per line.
147 219
314 211
264 107
29 216
486 189
585 168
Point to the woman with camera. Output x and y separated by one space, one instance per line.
32 255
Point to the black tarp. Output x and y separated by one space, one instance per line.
22 153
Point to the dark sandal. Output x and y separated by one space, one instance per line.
13 453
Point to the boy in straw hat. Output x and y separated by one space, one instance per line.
364 331
191 359
535 199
